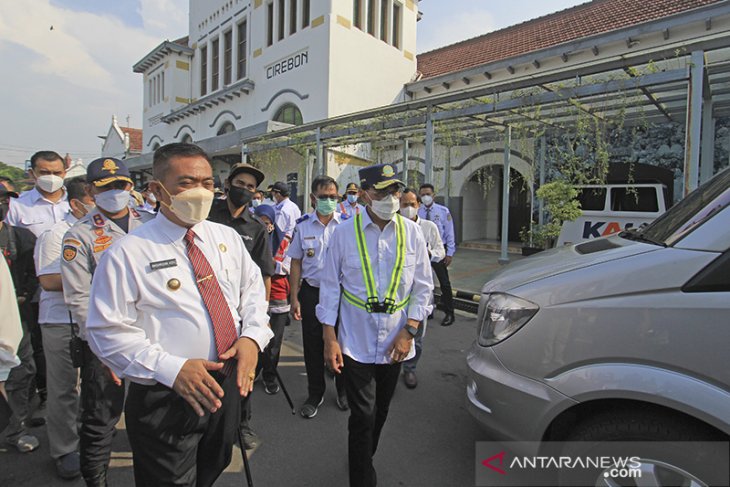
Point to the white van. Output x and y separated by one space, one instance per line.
612 208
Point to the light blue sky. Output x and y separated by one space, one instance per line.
64 84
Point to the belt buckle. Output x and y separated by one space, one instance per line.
372 305
389 306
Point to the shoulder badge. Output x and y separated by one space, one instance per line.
303 218
98 220
69 253
71 241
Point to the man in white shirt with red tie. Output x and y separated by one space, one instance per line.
179 309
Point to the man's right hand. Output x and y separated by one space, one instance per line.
198 387
333 356
296 310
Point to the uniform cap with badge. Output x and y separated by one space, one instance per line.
379 176
105 170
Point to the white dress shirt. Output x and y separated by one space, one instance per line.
309 245
47 255
10 329
433 239
287 214
363 336
146 315
33 211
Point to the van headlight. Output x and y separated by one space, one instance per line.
504 314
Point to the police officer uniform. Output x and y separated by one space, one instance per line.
83 246
347 209
375 281
309 247
441 216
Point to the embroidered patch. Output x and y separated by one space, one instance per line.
98 220
103 240
110 165
101 248
99 232
72 241
69 253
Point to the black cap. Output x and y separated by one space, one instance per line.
6 192
352 187
249 169
379 177
280 188
106 170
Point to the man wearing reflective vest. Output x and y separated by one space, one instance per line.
377 278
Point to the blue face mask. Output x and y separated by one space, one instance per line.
326 207
352 198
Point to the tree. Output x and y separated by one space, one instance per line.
14 173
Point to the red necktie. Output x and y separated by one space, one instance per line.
224 328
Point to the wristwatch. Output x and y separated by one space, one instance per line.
411 329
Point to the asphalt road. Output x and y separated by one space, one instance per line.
428 440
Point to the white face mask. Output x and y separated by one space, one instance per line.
113 200
427 200
152 199
192 205
386 208
409 212
50 183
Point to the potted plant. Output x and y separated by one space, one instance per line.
560 198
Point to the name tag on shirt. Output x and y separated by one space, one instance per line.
163 264
309 238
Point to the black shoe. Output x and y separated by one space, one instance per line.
342 402
448 319
250 438
96 479
271 387
68 466
310 407
410 380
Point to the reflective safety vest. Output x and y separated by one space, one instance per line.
372 304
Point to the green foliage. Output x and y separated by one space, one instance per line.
561 203
14 173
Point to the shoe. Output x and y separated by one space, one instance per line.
430 317
342 402
69 466
250 439
271 388
25 444
310 407
410 379
39 416
448 319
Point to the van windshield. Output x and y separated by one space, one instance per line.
691 212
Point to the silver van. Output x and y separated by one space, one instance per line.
619 338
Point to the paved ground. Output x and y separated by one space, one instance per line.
428 440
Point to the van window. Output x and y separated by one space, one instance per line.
691 212
634 199
592 199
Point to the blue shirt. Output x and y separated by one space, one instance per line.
287 214
441 216
363 336
309 245
348 210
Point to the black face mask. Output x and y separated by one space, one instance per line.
4 207
239 196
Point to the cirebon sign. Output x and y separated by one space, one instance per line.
287 64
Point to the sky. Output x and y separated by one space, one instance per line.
60 87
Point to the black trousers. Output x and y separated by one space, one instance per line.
102 402
313 344
171 444
447 298
268 361
270 357
370 388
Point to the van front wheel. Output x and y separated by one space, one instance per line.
660 452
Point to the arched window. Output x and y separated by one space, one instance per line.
289 113
187 139
226 128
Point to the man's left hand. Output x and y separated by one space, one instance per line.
246 352
401 346
447 260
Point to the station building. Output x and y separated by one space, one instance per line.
306 87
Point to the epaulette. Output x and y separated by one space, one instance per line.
303 218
